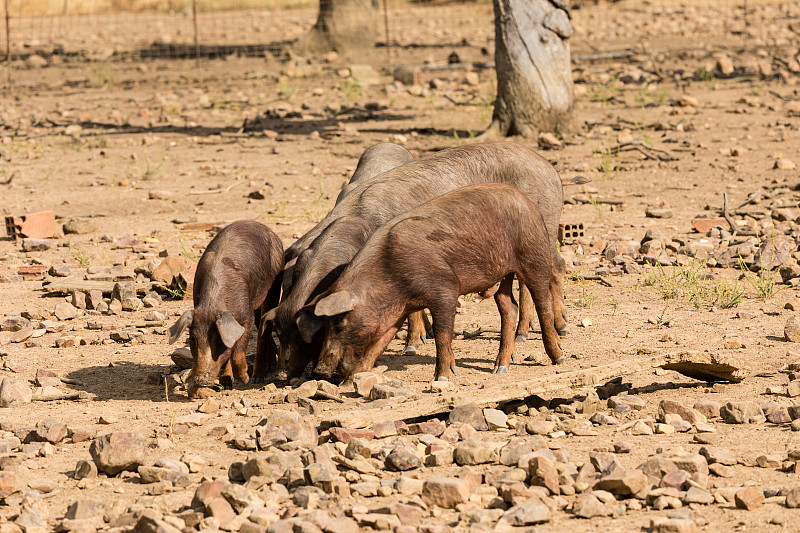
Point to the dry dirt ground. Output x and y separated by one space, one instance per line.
155 152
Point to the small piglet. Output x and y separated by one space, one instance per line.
235 277
461 242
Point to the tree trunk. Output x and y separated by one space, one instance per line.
534 76
342 25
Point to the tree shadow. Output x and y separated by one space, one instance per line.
126 380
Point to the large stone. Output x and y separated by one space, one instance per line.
542 472
528 513
206 491
445 492
690 462
65 311
402 459
470 414
791 331
364 381
15 323
241 497
14 392
793 498
86 508
672 525
588 506
708 408
718 455
623 483
749 498
686 413
10 484
495 419
170 267
151 524
742 413
474 451
51 430
115 452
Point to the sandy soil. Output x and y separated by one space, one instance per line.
144 132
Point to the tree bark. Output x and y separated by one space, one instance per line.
345 26
534 75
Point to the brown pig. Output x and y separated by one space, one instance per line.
461 242
314 272
235 277
384 197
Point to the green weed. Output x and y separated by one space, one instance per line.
705 76
83 258
351 88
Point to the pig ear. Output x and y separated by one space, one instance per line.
309 324
335 304
229 329
180 326
269 316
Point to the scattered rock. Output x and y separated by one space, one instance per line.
115 452
445 492
749 498
14 392
742 413
470 414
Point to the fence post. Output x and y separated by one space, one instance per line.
386 30
196 42
8 45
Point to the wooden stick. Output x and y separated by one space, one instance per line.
698 365
81 395
601 279
731 223
218 191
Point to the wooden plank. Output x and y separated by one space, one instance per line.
706 366
69 285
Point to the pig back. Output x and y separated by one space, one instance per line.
375 161
242 260
403 188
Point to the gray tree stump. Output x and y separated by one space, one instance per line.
342 25
534 75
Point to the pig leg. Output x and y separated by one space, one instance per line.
557 288
266 351
525 312
416 332
226 376
538 276
508 311
444 317
428 325
238 360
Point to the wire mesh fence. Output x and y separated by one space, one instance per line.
83 34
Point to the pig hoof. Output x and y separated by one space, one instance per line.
410 350
256 380
520 338
502 369
559 360
442 378
562 332
226 383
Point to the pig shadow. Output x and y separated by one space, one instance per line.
128 381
